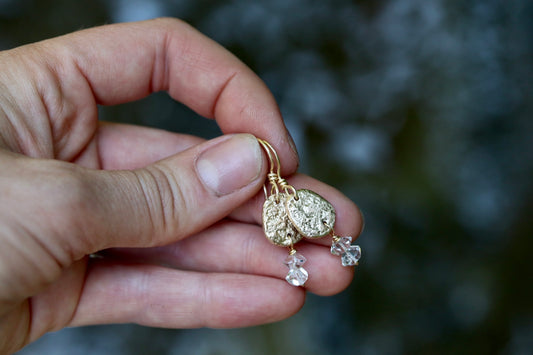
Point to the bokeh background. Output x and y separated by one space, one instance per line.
420 111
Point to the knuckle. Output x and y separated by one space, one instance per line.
71 196
61 187
56 198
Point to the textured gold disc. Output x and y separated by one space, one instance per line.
311 214
276 224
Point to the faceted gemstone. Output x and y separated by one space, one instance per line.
295 260
338 247
350 254
297 275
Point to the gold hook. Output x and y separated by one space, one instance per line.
274 177
275 165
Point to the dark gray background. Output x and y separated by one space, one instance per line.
420 111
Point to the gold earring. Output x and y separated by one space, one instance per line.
290 215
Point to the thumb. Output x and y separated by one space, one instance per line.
177 196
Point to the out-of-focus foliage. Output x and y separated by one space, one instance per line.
420 111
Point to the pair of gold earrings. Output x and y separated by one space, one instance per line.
290 215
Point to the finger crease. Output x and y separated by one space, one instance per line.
145 192
220 91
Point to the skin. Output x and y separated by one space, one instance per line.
71 186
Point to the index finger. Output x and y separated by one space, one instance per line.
125 62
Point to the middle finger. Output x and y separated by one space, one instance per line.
233 247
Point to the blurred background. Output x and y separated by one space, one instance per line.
420 111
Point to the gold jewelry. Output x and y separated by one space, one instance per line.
290 215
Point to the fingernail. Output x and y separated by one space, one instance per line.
230 165
292 144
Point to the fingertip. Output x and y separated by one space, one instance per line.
333 285
327 276
290 160
349 218
233 163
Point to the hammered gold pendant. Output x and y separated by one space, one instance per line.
311 214
276 224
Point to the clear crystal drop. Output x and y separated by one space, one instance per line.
295 260
297 275
351 256
340 246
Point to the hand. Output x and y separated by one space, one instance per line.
179 218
